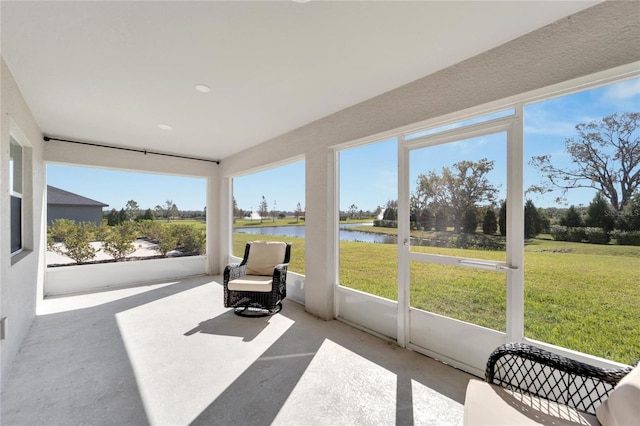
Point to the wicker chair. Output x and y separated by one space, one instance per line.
540 385
257 285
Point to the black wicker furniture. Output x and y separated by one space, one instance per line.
528 385
258 285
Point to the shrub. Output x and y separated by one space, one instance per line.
470 221
490 223
167 240
560 233
190 240
627 238
597 235
385 223
577 234
75 239
150 229
119 242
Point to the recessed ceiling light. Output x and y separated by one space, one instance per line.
165 127
203 88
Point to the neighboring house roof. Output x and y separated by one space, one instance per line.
60 197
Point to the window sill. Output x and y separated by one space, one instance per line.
18 257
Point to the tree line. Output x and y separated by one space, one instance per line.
167 211
605 156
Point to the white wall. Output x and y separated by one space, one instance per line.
602 37
21 275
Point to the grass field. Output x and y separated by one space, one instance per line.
580 296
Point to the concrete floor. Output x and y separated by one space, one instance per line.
171 354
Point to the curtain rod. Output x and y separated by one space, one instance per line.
142 151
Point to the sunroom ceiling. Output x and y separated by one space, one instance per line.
111 72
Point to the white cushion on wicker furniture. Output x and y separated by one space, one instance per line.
489 405
264 256
623 405
259 283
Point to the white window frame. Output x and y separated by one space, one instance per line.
515 315
17 194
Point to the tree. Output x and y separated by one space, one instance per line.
298 212
630 219
605 157
470 220
159 211
490 223
457 189
502 218
353 210
274 212
113 218
148 215
532 221
571 218
122 216
263 208
426 219
132 209
236 211
599 214
440 221
390 213
170 210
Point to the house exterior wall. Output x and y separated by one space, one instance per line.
599 38
20 275
76 213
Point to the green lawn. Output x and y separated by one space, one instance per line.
581 296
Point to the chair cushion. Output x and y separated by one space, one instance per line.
490 405
251 283
264 256
623 405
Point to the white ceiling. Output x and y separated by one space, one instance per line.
110 72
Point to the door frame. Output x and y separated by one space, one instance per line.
513 265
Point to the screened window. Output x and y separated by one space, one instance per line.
269 205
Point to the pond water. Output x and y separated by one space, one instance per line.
346 234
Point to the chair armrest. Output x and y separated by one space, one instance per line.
233 271
280 272
526 368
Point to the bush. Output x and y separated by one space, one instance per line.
490 223
470 221
385 223
75 239
576 235
167 240
150 229
190 239
464 241
119 242
597 235
560 233
627 238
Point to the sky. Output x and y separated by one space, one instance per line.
368 174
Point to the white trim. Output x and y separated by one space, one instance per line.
590 81
515 228
15 194
404 246
513 125
264 167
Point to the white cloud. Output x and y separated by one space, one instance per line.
623 91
